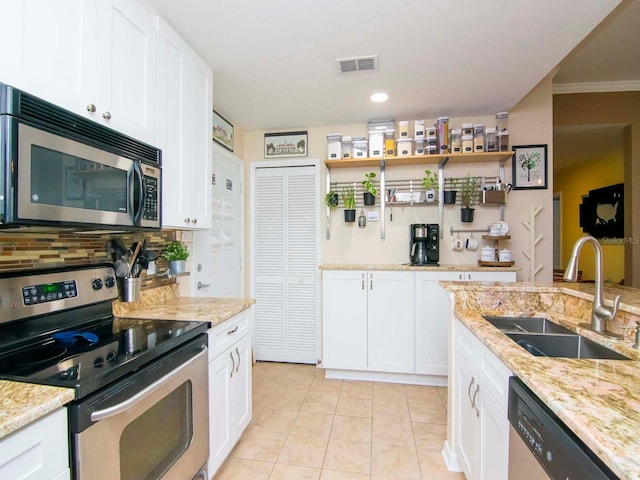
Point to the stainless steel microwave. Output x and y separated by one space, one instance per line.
63 171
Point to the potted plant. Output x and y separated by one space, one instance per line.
371 191
469 194
331 199
349 200
450 195
430 184
176 254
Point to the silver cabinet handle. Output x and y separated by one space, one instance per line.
142 394
473 380
238 353
91 108
232 331
233 364
473 404
194 221
459 276
106 115
363 281
371 281
187 220
202 285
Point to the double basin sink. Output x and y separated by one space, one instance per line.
540 337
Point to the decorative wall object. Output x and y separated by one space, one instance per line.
222 131
602 212
529 167
534 239
285 144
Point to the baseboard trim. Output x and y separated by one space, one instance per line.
412 379
450 458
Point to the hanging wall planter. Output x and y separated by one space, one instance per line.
350 215
369 199
349 200
450 197
370 190
466 214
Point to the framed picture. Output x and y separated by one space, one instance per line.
222 131
285 144
529 167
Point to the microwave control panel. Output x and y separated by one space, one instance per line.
151 197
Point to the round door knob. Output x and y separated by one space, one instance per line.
106 115
96 284
91 108
187 220
109 281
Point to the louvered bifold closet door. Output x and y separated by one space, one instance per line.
286 265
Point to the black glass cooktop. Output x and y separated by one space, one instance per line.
90 356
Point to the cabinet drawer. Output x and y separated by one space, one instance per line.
225 334
495 377
38 451
466 343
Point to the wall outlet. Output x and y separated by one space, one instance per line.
372 216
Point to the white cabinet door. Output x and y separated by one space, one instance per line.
221 427
433 311
344 324
183 129
391 321
126 71
241 385
467 383
493 456
53 50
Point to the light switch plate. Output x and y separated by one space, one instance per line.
372 216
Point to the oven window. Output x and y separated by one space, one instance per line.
64 180
153 442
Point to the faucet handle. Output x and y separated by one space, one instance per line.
616 304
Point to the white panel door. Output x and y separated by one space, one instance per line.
391 326
286 264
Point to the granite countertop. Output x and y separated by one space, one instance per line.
599 400
418 268
23 403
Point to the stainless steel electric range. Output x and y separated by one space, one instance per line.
141 386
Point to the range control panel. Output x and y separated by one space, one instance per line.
48 292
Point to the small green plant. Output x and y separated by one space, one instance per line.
331 199
175 251
453 183
430 180
368 183
349 197
469 191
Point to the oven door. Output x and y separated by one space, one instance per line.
152 424
63 180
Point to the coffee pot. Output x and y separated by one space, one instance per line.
424 243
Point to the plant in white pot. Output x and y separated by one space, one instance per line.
176 253
468 196
370 191
430 184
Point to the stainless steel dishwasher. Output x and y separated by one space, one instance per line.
542 447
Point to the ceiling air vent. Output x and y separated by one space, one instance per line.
358 64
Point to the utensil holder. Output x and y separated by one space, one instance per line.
131 289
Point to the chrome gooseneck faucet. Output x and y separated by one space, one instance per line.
599 313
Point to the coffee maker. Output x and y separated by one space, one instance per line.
424 243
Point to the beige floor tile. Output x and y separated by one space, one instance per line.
357 389
391 390
432 412
276 420
433 467
258 402
237 468
264 385
421 394
303 450
392 431
429 435
329 385
348 456
354 406
357 429
259 444
395 461
338 475
294 472
287 399
320 402
391 407
318 424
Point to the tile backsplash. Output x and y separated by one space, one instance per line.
26 251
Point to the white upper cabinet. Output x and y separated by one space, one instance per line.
96 59
185 103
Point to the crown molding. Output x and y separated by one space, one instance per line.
593 87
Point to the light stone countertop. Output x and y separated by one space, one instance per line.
418 268
599 400
23 403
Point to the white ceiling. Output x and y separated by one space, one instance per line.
274 68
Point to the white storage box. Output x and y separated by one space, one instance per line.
404 147
334 146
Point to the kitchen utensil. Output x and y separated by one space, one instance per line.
457 244
75 338
131 289
122 268
471 243
134 256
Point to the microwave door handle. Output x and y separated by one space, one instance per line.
137 211
145 392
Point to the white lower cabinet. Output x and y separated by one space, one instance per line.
480 393
38 451
230 364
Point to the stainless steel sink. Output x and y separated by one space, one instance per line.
563 345
526 325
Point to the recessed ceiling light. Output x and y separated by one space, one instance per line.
379 97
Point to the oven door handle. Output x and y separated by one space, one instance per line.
145 392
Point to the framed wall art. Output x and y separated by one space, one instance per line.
222 131
285 144
529 167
